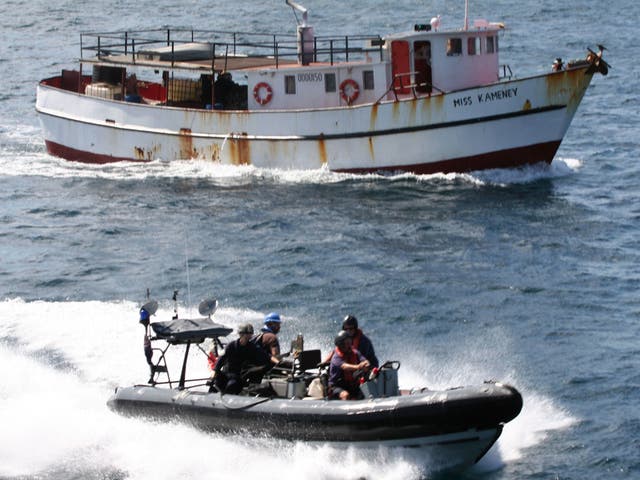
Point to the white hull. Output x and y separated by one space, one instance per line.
504 124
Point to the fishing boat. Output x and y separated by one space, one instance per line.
448 429
424 100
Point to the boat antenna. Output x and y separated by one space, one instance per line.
295 6
466 15
186 260
175 305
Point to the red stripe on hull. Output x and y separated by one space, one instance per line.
510 158
74 155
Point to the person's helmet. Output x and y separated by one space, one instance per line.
340 338
272 317
245 328
144 316
350 321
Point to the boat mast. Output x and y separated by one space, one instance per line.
301 9
305 34
466 15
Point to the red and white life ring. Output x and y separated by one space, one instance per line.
263 93
349 90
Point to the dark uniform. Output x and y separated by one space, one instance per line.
362 343
231 368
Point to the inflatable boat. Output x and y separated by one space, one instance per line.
455 427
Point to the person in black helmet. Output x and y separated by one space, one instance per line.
239 356
359 341
345 362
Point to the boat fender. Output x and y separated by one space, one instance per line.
349 90
263 93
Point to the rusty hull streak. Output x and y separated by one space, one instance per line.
186 144
371 150
322 150
395 109
413 103
146 155
214 152
566 86
138 153
374 117
239 149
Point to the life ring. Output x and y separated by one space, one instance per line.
260 89
349 90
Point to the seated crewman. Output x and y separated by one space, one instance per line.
359 341
345 362
239 356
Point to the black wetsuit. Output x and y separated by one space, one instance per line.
232 367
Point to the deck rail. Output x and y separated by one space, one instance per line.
223 44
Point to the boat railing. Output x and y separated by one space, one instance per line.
346 48
127 46
405 82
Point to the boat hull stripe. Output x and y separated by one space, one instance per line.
337 136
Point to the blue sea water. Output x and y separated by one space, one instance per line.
530 276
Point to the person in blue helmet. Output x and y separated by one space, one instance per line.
268 337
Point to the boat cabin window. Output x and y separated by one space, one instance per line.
454 46
473 46
290 84
329 82
367 80
492 44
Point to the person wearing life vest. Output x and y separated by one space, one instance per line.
359 341
346 362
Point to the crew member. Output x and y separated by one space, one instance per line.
268 337
223 89
345 363
241 359
359 341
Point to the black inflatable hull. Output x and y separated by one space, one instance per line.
469 415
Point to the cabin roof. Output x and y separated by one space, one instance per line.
183 330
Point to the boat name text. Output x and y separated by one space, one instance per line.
310 77
486 97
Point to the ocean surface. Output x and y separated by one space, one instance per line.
528 276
